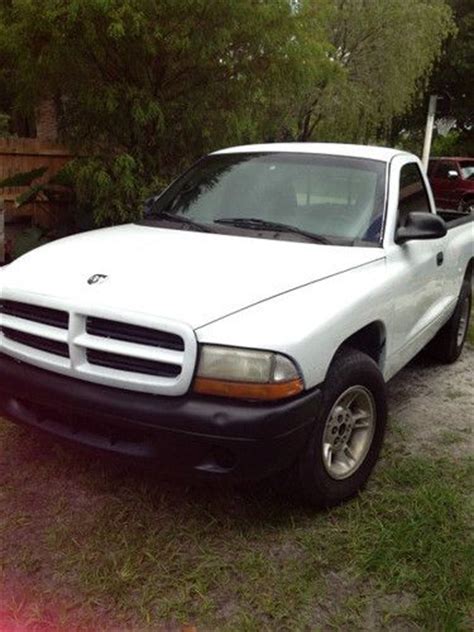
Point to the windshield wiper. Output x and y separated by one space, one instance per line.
261 224
181 219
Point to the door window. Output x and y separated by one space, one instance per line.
412 194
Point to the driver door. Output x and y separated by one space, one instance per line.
419 279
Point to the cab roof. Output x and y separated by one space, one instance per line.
371 152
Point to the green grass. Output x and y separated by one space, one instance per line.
125 551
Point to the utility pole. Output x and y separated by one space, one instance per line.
429 130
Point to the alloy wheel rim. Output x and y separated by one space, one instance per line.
463 321
348 432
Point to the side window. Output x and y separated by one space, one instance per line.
412 194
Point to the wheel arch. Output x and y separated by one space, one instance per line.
469 268
369 339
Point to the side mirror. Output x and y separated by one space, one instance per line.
420 225
452 174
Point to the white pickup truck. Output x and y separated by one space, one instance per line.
247 326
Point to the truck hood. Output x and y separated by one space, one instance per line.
189 276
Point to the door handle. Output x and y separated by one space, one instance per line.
440 258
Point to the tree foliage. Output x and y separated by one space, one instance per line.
451 79
144 87
453 74
384 50
147 86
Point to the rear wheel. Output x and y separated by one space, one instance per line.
348 431
447 345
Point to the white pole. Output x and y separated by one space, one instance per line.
429 130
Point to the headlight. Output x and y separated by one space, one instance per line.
246 374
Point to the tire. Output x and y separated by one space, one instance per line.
320 477
447 345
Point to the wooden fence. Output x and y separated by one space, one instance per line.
19 155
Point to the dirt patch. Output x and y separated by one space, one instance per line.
389 612
351 603
432 406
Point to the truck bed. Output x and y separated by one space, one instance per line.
454 218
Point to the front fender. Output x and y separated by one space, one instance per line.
309 324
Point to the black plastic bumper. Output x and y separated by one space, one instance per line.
190 435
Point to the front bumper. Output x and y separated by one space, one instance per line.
192 435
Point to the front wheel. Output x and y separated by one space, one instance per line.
348 431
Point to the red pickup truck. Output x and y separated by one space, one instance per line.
452 181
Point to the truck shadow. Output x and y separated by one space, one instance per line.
62 471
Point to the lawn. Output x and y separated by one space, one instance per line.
87 545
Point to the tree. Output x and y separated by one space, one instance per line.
451 79
147 86
384 50
144 87
453 73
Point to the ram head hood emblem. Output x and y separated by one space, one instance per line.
97 278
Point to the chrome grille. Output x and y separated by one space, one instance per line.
37 342
34 327
134 352
36 313
135 365
133 333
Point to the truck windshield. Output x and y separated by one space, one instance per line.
339 199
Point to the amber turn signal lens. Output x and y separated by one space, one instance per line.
248 390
